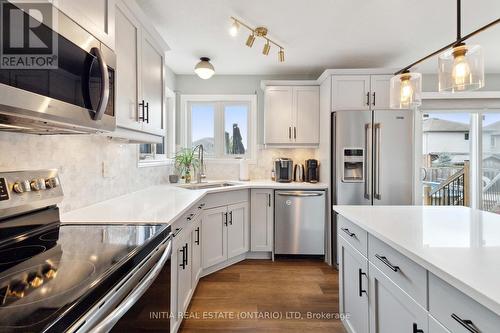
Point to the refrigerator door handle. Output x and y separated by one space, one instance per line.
367 169
376 164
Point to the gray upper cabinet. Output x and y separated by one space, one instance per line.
127 61
291 115
152 85
95 16
140 106
360 92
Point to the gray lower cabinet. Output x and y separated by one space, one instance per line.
196 253
353 282
184 281
391 309
226 231
436 327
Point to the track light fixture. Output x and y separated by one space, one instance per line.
257 32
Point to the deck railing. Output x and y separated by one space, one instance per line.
454 191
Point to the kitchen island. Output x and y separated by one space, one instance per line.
419 269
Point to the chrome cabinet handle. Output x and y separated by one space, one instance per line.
183 264
269 200
466 323
373 98
376 179
368 98
367 169
387 262
103 102
290 132
190 217
147 112
361 290
295 132
201 206
225 219
348 232
107 323
231 217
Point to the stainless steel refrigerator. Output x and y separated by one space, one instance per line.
372 159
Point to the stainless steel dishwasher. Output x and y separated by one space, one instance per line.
299 226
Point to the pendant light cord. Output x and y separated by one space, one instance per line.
459 40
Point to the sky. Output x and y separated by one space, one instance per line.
202 120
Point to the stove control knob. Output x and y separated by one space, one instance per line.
35 280
17 289
22 186
38 184
52 182
49 271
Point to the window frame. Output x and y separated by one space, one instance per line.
219 121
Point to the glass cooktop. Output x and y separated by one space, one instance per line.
46 276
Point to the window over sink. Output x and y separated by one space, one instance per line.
224 125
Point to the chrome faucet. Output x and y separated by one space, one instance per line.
200 171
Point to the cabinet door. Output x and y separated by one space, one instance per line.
214 236
184 266
436 327
306 115
353 287
196 257
278 106
127 36
152 85
391 309
95 16
380 89
238 234
350 92
261 220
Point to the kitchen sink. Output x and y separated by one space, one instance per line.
202 186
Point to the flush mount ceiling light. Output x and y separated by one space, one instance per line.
257 32
204 69
461 68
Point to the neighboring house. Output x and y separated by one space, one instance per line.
491 139
445 136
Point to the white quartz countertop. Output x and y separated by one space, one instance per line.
458 244
163 203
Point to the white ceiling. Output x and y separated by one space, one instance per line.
319 34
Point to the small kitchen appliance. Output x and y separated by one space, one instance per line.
298 174
312 171
284 170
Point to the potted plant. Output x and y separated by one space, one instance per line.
185 160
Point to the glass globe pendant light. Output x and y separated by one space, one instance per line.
461 68
406 90
204 69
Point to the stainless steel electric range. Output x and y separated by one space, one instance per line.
75 278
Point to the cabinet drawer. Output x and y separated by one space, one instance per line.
456 310
436 327
226 198
408 275
356 236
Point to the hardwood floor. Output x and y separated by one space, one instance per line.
269 292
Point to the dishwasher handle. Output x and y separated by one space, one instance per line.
300 194
107 324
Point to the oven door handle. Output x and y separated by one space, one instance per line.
103 102
107 323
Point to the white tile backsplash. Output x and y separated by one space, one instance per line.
80 160
94 168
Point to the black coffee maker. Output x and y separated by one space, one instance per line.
312 171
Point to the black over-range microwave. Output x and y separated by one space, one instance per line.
73 97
